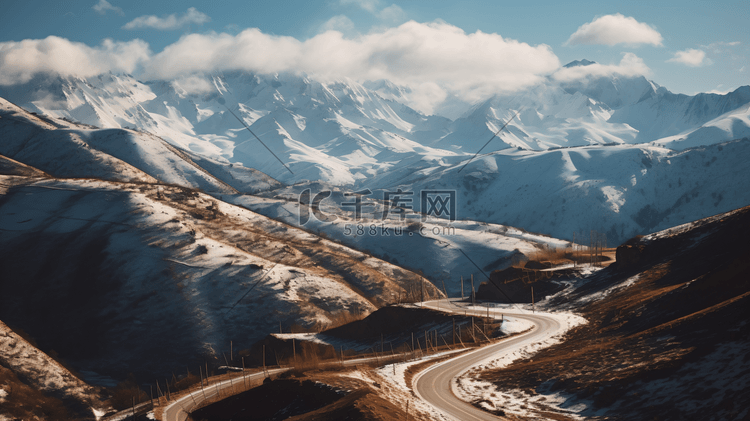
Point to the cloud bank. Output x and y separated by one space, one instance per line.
433 59
615 29
412 54
20 61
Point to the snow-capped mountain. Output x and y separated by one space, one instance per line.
344 132
357 136
620 190
338 132
68 149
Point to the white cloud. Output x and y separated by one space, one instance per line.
392 13
434 59
720 47
414 54
103 6
193 84
369 5
630 65
20 61
615 29
169 22
339 23
690 57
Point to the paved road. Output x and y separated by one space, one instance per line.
178 410
434 384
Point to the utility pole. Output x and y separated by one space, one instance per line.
532 298
231 353
294 351
244 376
421 290
462 288
473 295
574 249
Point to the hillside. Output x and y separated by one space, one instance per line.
34 386
667 336
143 278
67 149
619 190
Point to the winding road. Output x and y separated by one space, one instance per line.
434 383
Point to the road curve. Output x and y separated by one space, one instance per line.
178 410
434 384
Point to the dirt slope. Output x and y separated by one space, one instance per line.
668 336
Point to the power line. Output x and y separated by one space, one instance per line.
261 142
248 291
490 280
488 142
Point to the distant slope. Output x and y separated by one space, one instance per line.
65 149
444 252
619 190
668 334
681 121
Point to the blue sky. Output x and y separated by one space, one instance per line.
686 46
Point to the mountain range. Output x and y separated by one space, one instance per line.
619 155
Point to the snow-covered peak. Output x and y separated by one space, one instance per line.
576 63
344 132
